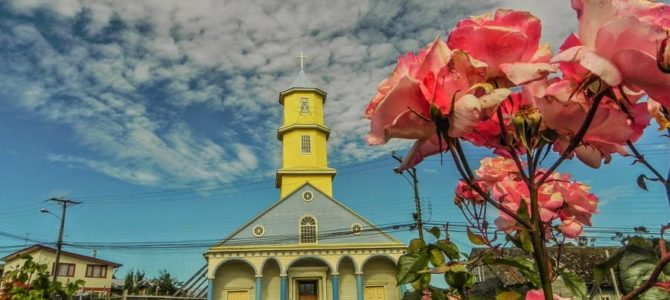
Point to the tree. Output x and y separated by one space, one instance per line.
164 284
133 280
31 282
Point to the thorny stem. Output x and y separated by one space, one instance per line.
651 281
537 156
577 138
642 160
464 159
537 238
559 250
470 181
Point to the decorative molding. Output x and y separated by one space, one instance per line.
308 195
258 231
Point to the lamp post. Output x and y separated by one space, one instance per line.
64 203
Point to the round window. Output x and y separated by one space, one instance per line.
356 228
259 231
307 196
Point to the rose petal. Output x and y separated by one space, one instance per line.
591 61
406 95
421 149
640 69
589 155
520 73
465 116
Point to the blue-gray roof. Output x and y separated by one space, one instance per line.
301 81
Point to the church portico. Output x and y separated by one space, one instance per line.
336 274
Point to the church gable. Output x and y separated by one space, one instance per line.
334 223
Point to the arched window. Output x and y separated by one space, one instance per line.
308 230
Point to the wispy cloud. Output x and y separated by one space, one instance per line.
126 76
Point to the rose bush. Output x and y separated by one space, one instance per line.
493 84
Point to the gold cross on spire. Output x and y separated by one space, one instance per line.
302 59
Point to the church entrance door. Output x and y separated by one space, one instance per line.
237 295
308 290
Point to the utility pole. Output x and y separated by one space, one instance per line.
417 200
64 203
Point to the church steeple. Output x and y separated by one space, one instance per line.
304 138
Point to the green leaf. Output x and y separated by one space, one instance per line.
457 276
525 241
576 285
641 183
600 271
416 245
409 264
422 283
525 266
636 266
509 295
475 238
449 248
435 231
436 256
523 213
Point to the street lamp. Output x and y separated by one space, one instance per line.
59 243
46 211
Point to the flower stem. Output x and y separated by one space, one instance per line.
537 238
653 278
469 178
664 180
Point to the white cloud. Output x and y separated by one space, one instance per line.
126 75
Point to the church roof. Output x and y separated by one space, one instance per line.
301 81
291 207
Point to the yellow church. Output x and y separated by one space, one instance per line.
307 245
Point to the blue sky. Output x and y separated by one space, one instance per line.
161 117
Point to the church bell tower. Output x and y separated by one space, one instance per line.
304 137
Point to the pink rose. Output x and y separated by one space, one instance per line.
571 228
539 295
508 42
466 193
487 133
565 111
618 42
494 169
559 197
401 109
435 85
511 192
579 202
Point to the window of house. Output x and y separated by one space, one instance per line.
65 270
96 271
307 230
305 144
